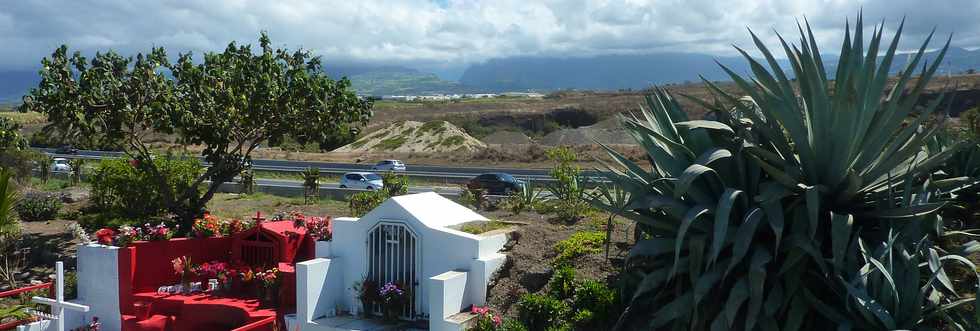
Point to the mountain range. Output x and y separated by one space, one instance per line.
606 72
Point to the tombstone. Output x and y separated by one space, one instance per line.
408 240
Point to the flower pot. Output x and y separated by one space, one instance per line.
142 310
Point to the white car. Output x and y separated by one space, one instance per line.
60 164
361 180
389 165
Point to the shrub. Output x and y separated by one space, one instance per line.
525 199
511 325
598 300
562 285
38 206
474 198
578 244
362 202
542 312
20 163
128 189
395 184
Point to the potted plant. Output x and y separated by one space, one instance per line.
269 283
393 298
184 269
367 293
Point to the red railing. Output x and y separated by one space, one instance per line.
267 323
13 324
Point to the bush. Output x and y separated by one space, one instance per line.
578 244
473 198
20 163
362 202
129 190
562 285
542 312
38 206
598 300
395 184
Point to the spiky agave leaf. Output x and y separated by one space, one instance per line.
765 207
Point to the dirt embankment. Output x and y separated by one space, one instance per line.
412 136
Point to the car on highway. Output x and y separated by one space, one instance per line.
389 165
60 164
66 149
496 183
361 180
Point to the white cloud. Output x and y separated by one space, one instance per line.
455 32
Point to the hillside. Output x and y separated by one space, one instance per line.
608 72
412 136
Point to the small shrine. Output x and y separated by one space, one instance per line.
401 261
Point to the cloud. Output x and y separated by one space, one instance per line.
453 33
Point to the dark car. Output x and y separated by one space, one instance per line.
66 149
496 183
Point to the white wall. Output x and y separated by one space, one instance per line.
98 287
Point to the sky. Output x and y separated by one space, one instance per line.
445 36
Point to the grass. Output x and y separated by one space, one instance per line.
435 127
580 243
453 141
227 205
391 143
25 118
54 184
482 227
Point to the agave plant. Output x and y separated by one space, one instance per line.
755 220
524 199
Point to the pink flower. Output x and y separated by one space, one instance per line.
496 320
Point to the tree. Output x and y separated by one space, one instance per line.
229 103
10 137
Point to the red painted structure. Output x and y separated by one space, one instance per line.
13 324
145 266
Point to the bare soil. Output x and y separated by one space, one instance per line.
531 254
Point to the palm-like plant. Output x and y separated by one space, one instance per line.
8 199
778 207
524 199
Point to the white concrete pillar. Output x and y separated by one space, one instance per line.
446 298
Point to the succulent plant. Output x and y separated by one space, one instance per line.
803 203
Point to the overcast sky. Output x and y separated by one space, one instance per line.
444 36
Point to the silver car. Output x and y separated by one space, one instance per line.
361 180
389 165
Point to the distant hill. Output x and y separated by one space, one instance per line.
614 72
403 81
607 72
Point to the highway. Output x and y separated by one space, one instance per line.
456 173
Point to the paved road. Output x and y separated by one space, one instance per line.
335 186
448 172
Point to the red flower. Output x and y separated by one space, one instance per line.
105 235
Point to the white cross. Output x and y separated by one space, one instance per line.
59 304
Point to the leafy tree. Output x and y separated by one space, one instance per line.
10 137
229 103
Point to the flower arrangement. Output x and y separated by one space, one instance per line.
320 228
105 236
157 232
487 320
392 298
367 293
126 234
207 227
211 226
269 277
